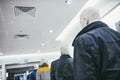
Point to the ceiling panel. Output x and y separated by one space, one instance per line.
49 15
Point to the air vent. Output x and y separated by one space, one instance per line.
24 36
118 26
21 9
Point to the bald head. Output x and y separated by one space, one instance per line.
89 15
64 49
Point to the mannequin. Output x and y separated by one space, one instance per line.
64 50
65 65
88 16
96 49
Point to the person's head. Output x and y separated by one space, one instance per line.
44 65
36 66
64 49
89 15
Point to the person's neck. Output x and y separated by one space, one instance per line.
90 22
64 53
93 21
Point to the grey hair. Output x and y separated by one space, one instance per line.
91 14
64 49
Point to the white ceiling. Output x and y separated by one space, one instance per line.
50 15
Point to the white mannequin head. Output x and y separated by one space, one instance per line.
88 16
64 49
36 66
43 60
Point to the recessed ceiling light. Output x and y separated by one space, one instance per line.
38 51
68 1
42 44
50 31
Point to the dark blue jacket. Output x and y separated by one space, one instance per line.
65 68
53 71
32 76
97 53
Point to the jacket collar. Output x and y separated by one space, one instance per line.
90 27
64 56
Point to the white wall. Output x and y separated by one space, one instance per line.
13 59
19 59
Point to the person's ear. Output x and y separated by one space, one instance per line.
87 21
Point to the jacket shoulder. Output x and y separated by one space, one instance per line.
55 61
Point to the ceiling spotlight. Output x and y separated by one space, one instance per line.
42 44
50 31
38 51
68 1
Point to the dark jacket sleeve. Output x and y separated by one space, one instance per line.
84 66
52 72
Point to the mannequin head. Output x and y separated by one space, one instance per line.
43 60
36 66
64 49
88 16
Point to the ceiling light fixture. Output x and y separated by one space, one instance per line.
50 31
42 44
38 51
